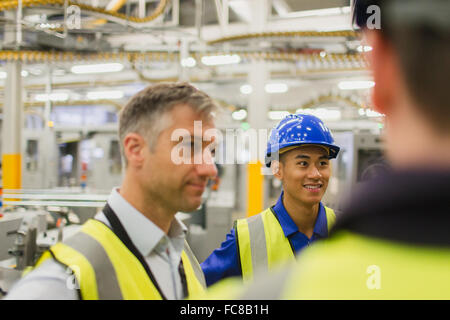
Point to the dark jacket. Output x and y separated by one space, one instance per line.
411 206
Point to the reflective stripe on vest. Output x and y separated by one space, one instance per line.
106 269
262 243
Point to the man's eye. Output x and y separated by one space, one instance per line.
302 163
324 163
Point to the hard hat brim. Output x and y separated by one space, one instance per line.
333 150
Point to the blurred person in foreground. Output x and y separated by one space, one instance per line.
393 239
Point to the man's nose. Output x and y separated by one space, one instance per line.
314 173
207 168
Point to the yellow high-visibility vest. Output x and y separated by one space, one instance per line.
350 266
262 244
106 269
355 266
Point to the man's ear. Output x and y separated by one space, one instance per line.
277 170
133 146
384 65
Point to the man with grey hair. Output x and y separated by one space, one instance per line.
135 247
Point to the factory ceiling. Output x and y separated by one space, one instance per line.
307 44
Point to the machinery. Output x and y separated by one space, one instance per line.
24 236
359 150
32 225
39 168
18 234
100 151
69 158
18 244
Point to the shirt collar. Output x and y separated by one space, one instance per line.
142 231
288 225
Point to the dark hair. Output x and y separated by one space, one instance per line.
423 47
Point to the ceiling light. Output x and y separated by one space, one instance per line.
364 48
36 72
322 113
97 68
354 85
318 12
246 89
3 74
373 114
34 18
220 60
188 62
59 72
96 95
239 115
276 88
278 115
49 25
60 96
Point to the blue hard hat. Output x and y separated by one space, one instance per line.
300 129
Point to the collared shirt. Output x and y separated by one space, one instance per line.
224 261
161 252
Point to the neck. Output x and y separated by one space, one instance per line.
303 215
151 208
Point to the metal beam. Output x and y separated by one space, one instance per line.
19 23
281 7
12 127
199 17
222 10
258 106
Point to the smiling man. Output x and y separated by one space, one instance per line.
304 147
135 248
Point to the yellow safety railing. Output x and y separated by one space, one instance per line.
62 56
286 34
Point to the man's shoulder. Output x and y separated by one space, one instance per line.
50 280
257 216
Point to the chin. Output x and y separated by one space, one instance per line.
192 205
312 201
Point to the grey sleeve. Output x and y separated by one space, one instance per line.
50 281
